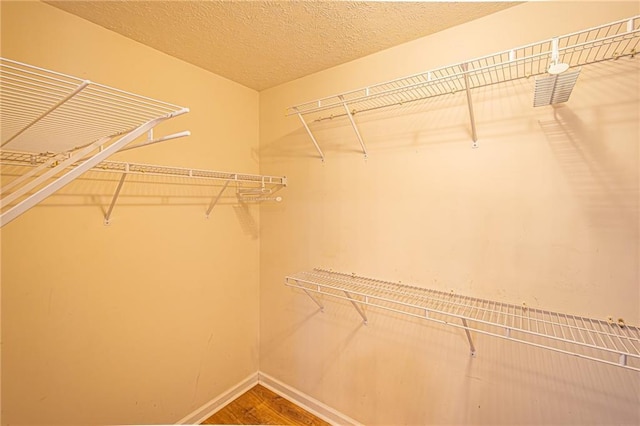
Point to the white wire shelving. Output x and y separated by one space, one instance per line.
43 111
249 187
610 41
609 342
63 126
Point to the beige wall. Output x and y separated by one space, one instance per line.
147 319
544 212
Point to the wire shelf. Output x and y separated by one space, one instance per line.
34 160
43 110
605 42
613 343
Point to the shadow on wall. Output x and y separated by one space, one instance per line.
607 190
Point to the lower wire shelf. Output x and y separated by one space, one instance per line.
613 343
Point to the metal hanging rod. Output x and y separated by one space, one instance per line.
602 43
609 342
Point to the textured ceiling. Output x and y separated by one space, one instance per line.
261 44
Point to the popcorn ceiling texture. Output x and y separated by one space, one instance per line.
262 44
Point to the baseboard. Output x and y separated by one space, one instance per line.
218 403
303 400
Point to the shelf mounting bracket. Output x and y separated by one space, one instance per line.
472 347
358 308
316 301
474 134
353 124
313 139
215 200
107 217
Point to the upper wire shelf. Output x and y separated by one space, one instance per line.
606 42
47 111
614 343
81 122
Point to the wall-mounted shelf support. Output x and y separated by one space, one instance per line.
315 299
353 124
472 347
359 309
215 200
313 139
107 216
596 340
602 43
474 134
151 141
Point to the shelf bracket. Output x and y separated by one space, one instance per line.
317 302
474 135
313 139
353 124
151 141
107 217
215 200
358 308
472 347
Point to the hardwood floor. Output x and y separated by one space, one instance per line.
260 406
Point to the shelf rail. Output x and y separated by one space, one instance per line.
610 41
613 343
80 121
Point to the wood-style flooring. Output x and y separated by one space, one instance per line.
260 406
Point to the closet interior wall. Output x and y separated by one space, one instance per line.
544 212
147 319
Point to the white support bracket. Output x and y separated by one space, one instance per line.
215 200
151 141
107 217
317 302
358 308
353 124
472 347
474 135
313 139
81 168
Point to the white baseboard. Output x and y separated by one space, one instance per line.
303 400
218 403
299 398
